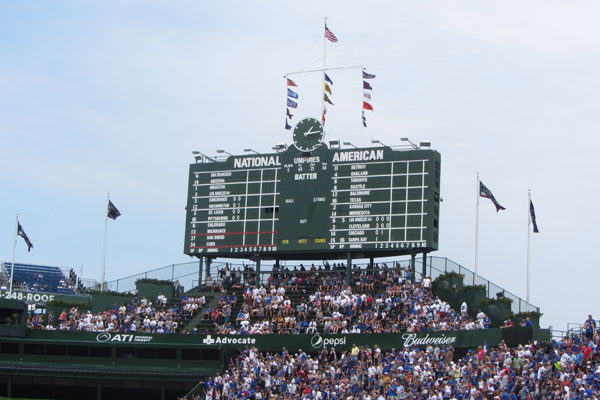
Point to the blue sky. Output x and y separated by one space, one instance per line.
113 97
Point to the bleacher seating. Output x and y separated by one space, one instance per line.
39 278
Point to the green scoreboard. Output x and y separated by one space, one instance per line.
325 203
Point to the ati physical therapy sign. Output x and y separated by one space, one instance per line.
122 338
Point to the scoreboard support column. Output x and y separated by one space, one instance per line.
207 268
413 257
257 279
348 268
200 265
424 272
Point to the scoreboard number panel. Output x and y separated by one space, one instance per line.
322 203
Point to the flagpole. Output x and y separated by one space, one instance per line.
104 252
323 84
477 232
12 268
528 244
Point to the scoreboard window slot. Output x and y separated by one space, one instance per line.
399 208
413 221
416 167
413 207
268 188
400 168
270 210
435 223
398 235
268 175
415 180
254 175
399 195
413 234
400 181
415 193
252 201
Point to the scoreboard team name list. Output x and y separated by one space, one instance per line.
378 204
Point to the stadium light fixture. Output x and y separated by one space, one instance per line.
223 151
334 144
375 141
414 146
279 147
425 143
350 144
199 157
251 151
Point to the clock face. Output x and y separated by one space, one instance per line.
308 134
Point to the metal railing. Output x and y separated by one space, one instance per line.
185 273
441 265
188 275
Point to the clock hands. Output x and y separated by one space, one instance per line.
310 132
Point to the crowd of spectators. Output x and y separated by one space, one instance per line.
138 315
565 370
382 301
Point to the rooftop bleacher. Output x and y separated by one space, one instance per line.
39 278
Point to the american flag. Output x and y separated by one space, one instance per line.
330 36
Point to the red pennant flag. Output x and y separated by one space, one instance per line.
291 82
367 106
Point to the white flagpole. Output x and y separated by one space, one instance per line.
104 252
323 84
476 233
12 268
528 244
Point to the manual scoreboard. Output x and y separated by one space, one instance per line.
325 203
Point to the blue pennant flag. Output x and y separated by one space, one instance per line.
292 104
292 94
327 78
287 126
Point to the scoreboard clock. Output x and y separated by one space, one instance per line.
308 134
311 202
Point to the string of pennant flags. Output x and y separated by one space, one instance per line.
367 90
293 97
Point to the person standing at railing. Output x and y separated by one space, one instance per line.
590 327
